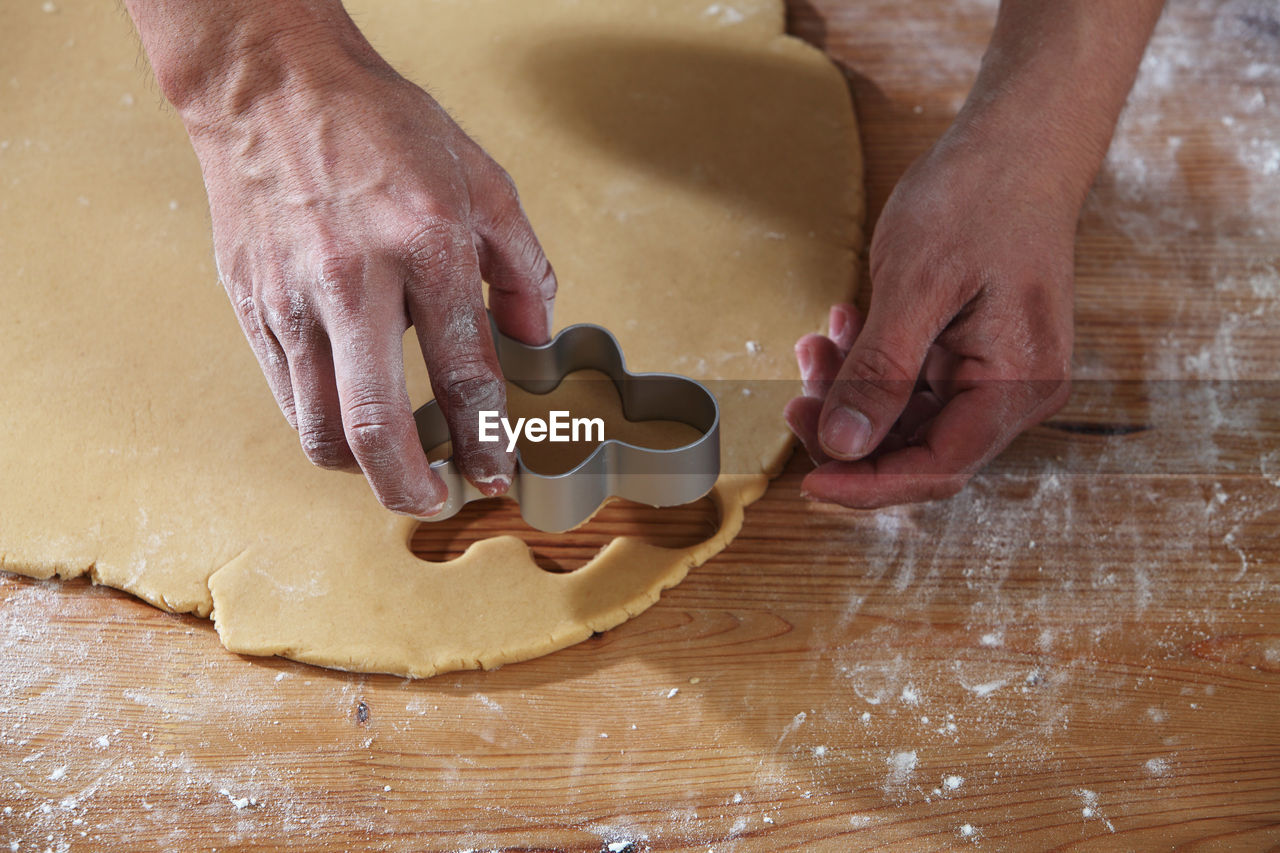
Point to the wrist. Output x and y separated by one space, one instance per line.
1051 87
216 62
1027 154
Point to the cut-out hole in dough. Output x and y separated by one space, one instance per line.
675 527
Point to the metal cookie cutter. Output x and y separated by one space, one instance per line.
559 502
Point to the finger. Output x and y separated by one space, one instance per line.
878 376
820 361
801 414
368 365
939 372
270 355
318 407
446 306
844 323
969 431
522 284
920 411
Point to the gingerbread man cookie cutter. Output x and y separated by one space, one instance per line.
560 502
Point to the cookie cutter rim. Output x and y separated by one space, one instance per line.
558 502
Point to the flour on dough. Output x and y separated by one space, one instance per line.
695 181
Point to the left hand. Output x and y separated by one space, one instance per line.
967 341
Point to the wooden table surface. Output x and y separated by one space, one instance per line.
1081 651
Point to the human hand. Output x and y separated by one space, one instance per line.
347 205
967 341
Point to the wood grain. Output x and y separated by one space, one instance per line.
1080 652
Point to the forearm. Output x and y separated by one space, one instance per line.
215 59
1052 84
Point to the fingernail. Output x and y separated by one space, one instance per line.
846 434
805 359
435 500
433 510
838 321
493 486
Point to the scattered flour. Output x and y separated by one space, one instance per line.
901 765
239 802
1089 808
987 688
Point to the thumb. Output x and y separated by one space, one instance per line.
875 382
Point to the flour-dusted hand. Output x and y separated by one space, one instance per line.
344 213
967 341
347 206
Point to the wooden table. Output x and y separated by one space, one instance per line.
1082 651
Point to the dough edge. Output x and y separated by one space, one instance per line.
731 495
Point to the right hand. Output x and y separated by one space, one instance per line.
347 206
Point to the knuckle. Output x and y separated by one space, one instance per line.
875 364
288 312
274 299
548 286
325 446
372 430
246 308
503 187
436 234
340 279
336 267
470 387
370 439
439 251
876 379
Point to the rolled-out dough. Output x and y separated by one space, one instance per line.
694 176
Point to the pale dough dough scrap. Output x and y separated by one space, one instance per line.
695 179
